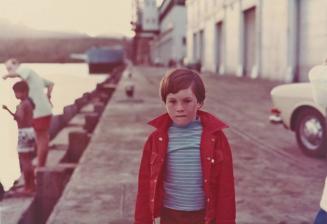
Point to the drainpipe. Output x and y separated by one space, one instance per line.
240 69
258 20
292 41
223 45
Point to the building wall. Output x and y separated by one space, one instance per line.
179 49
169 43
150 15
146 25
274 39
233 38
312 35
289 36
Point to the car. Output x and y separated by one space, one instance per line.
294 107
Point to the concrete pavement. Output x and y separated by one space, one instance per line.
275 182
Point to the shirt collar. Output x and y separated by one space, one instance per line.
208 121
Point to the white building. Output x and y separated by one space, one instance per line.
149 15
279 39
170 43
145 25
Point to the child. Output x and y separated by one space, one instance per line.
42 113
25 148
186 171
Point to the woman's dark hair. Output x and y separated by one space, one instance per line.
179 79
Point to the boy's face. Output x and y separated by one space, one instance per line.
182 106
20 95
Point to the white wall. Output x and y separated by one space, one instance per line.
233 39
280 47
150 15
169 43
179 17
313 35
274 39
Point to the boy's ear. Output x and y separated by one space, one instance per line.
199 105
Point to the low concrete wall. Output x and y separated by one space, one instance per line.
51 180
103 186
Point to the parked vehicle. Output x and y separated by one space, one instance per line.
293 106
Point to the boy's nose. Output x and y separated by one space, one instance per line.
179 107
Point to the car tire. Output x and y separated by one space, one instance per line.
310 133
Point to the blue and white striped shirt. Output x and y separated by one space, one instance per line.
183 182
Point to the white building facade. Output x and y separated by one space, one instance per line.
170 43
280 39
145 26
149 15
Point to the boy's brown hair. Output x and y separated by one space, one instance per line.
179 79
20 86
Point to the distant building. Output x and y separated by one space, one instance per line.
279 39
145 26
169 46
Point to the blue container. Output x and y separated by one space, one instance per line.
104 59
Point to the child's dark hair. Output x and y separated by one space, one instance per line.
20 86
179 79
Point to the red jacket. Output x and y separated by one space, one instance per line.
217 169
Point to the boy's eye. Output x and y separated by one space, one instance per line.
171 101
187 101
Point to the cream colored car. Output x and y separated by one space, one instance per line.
294 107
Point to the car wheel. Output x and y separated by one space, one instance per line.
311 133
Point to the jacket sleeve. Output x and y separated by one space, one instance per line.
142 208
226 211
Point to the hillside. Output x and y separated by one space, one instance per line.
30 45
10 30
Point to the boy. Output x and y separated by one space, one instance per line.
186 171
25 148
43 106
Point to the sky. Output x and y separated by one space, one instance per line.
94 17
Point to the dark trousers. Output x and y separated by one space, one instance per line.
321 217
170 216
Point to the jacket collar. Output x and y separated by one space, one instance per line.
209 122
